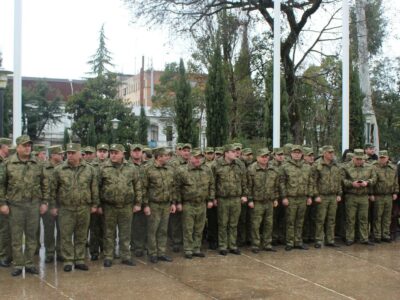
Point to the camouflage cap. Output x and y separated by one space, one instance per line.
73 147
89 149
368 145
187 145
209 150
296 148
383 153
5 141
56 149
263 152
278 151
229 147
136 146
219 150
23 139
327 148
117 147
287 148
179 146
247 151
237 146
349 155
196 152
39 147
160 151
308 151
102 146
358 153
148 150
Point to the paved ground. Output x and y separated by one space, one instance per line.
356 272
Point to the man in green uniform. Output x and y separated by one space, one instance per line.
76 194
158 188
279 227
21 197
219 151
296 191
359 179
230 191
327 177
40 152
309 217
121 196
212 212
89 154
5 232
194 185
209 156
384 193
263 185
50 223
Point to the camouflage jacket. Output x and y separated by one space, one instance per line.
120 184
75 186
327 178
296 179
387 180
353 173
48 180
263 184
194 185
158 183
176 162
21 181
230 179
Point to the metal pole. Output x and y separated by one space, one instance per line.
345 76
17 81
277 76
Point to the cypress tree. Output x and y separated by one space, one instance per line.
91 135
143 126
357 119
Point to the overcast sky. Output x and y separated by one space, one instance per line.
59 36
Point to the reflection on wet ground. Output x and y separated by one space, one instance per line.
356 272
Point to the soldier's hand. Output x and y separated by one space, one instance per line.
215 202
338 198
147 210
356 184
243 199
251 204
309 201
275 203
54 212
364 183
372 198
179 207
136 208
394 197
100 210
285 202
93 210
43 209
210 204
173 209
318 199
4 209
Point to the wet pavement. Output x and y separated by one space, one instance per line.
356 272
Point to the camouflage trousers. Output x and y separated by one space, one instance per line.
139 231
294 220
228 218
382 216
157 228
74 225
24 220
5 238
97 232
193 221
50 226
325 218
261 217
357 205
175 228
121 217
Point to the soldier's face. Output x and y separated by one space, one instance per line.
358 161
102 154
4 150
73 157
370 151
238 152
309 158
57 158
383 160
263 160
296 155
230 155
162 159
24 149
42 155
328 155
116 156
279 157
209 156
136 154
185 153
196 160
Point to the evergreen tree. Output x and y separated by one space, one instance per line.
91 136
183 107
356 116
143 127
102 58
216 104
66 139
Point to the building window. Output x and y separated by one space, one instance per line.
154 133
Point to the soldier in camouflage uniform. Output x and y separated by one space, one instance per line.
120 196
21 197
158 188
50 223
230 191
76 193
89 154
279 226
359 179
263 185
39 151
209 156
5 231
327 176
219 151
309 217
194 186
384 193
296 191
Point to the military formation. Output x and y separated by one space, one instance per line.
120 203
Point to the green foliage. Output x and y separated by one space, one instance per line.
7 113
66 138
357 119
91 136
102 58
143 127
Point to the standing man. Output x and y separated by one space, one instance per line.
5 231
50 223
359 179
327 176
279 227
194 193
76 194
231 192
384 193
158 188
21 197
309 217
296 190
263 184
121 196
209 156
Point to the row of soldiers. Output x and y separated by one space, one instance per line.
240 199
